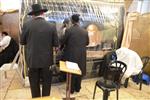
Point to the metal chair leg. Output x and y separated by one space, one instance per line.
140 81
126 82
117 94
105 94
140 86
94 92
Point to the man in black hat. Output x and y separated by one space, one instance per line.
39 38
75 40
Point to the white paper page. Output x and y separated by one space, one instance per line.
72 65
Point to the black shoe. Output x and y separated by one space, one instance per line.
77 90
72 91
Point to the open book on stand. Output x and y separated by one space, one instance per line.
72 65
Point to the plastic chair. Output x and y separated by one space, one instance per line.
145 60
111 79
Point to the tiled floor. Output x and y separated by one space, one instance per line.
12 89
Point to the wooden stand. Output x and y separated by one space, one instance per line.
64 68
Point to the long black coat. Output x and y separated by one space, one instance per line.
39 36
75 41
8 55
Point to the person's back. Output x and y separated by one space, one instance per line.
39 37
75 45
40 41
75 40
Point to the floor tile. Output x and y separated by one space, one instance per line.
14 90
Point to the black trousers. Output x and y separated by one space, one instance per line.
75 83
39 76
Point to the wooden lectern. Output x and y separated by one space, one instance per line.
65 68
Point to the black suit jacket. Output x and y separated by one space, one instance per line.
75 41
39 36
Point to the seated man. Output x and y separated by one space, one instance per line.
131 59
8 48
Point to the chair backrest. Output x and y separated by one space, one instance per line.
109 57
115 71
145 60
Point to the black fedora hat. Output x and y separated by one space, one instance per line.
75 17
36 8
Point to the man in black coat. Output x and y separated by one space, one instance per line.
75 41
39 38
